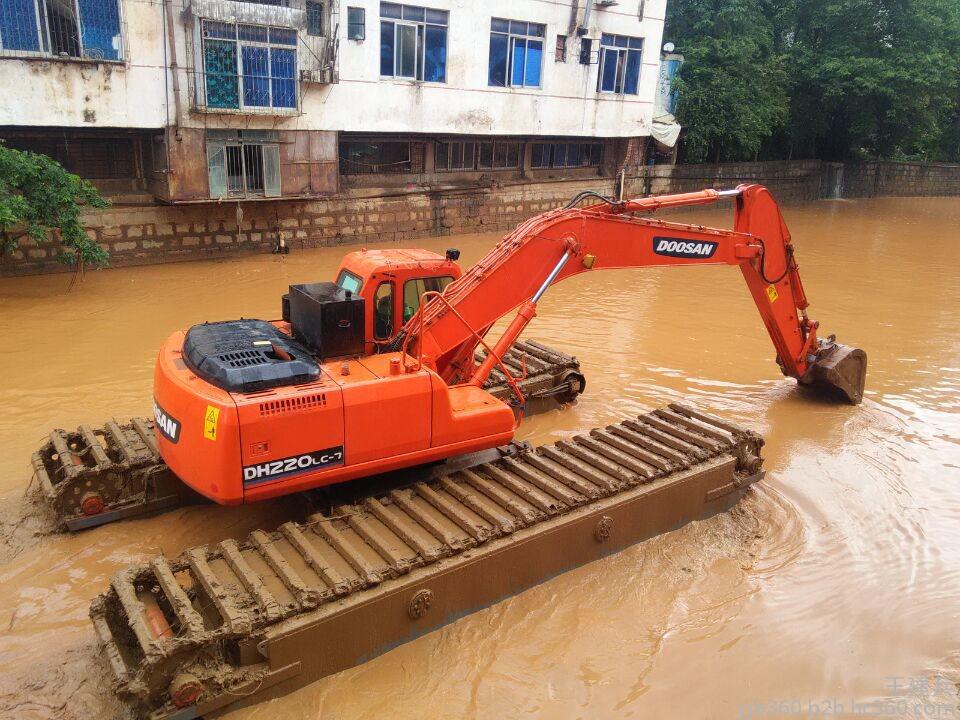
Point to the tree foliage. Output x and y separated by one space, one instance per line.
860 78
37 197
732 85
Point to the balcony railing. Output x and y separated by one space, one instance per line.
255 57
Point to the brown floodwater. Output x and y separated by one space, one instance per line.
831 590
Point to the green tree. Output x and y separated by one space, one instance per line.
38 197
860 78
732 87
873 78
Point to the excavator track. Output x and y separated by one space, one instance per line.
227 625
91 477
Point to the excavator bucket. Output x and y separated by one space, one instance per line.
839 369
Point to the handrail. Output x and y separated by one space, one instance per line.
511 381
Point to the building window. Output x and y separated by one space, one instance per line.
560 53
619 64
315 19
366 158
474 155
586 51
566 155
455 156
498 155
516 53
74 29
243 166
249 66
413 42
356 23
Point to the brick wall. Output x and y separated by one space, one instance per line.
882 179
166 233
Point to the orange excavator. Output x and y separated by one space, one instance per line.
248 410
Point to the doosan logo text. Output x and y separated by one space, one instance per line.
166 424
679 248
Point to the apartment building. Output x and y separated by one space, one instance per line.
193 101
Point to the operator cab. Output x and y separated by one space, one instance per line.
392 283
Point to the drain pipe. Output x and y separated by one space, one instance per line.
174 67
586 16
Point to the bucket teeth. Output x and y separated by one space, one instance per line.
225 603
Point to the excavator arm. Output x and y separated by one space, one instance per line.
565 242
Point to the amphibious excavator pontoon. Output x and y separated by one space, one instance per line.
247 410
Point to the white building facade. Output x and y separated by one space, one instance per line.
199 100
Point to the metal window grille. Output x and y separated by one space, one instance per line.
243 168
315 19
456 155
566 155
249 66
88 29
98 157
368 158
560 53
498 155
516 53
413 42
620 58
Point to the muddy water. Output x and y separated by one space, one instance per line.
832 590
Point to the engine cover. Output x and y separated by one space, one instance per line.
246 356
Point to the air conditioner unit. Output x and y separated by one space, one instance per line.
322 76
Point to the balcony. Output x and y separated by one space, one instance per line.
255 58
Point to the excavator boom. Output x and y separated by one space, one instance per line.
572 240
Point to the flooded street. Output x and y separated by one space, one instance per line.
831 590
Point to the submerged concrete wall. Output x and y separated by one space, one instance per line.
882 179
165 233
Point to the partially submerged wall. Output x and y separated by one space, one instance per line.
165 233
881 179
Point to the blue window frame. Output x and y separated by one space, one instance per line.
249 66
413 42
620 58
71 28
18 25
516 53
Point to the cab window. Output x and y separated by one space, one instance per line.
383 311
413 290
349 282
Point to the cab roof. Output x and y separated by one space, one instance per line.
365 262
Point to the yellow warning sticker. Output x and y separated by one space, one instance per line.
210 422
772 293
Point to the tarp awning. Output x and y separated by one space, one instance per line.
665 129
